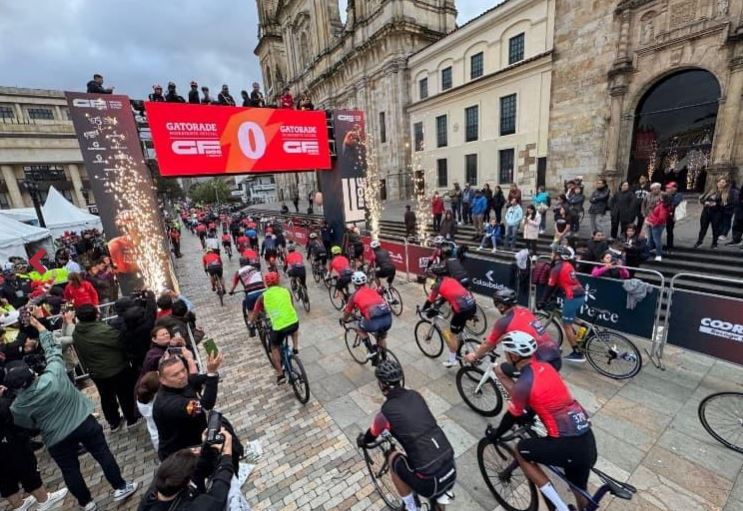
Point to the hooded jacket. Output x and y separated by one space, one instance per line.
99 349
599 201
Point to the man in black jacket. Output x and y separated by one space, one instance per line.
138 322
172 96
193 94
95 86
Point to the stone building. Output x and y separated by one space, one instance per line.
480 99
304 45
646 87
38 142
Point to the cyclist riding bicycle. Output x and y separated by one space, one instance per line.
355 247
268 248
462 304
427 467
201 232
382 263
563 276
278 304
242 242
252 236
569 444
342 268
252 280
251 256
316 250
212 243
227 242
213 267
280 242
515 318
376 316
294 264
454 266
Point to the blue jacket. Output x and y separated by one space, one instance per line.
514 215
479 205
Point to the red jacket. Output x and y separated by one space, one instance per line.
438 206
659 215
84 294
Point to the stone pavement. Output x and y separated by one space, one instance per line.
647 429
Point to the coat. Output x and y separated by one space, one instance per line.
624 206
531 227
514 215
99 349
514 194
83 294
479 205
499 200
437 206
599 201
410 219
448 227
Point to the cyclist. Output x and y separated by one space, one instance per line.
355 247
294 264
563 276
376 314
250 277
569 444
213 267
251 256
268 249
316 250
515 318
252 235
242 242
383 266
227 243
212 243
342 268
437 254
454 266
277 302
428 467
201 232
280 243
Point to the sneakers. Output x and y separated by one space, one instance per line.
134 424
116 427
493 251
52 500
127 491
28 503
479 248
576 356
449 363
90 506
445 498
658 258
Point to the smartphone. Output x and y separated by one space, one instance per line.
211 347
24 316
175 350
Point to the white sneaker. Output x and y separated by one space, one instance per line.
449 363
722 238
126 491
658 258
542 231
90 506
27 503
445 498
479 248
493 251
52 500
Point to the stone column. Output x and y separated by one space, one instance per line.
16 199
77 185
727 122
613 133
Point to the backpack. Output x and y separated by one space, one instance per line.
541 273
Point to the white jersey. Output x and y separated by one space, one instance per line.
251 278
212 243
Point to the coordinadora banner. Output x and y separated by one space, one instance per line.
193 140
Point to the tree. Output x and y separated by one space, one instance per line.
214 190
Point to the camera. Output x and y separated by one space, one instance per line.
213 428
175 350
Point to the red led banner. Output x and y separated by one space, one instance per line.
193 140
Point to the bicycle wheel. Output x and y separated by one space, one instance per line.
384 354
487 400
478 323
316 275
220 294
721 415
356 346
551 326
394 299
246 317
305 298
298 379
613 355
336 300
379 472
504 478
466 347
429 338
266 343
325 280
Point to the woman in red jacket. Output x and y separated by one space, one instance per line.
80 292
656 221
437 208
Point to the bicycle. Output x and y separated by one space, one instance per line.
390 293
385 444
300 292
295 373
721 415
498 466
362 350
218 288
430 339
263 327
604 349
481 390
476 325
228 250
338 301
319 271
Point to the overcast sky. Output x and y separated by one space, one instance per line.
59 44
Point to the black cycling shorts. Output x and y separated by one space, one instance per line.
428 487
278 336
215 271
343 282
459 319
297 271
388 273
575 454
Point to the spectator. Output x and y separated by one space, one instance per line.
172 96
437 208
295 200
641 190
493 233
327 233
286 100
575 199
52 404
79 292
448 226
532 221
624 208
676 199
563 221
635 246
410 222
284 208
164 305
514 216
713 206
498 203
468 196
649 203
193 94
542 202
246 98
479 206
224 97
305 103
63 337
656 222
161 340
256 96
181 320
138 321
730 199
596 246
101 353
207 99
147 387
103 286
175 241
611 267
157 93
737 227
488 193
95 86
456 202
599 203
514 193
69 264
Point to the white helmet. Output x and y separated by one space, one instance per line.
375 244
313 235
519 343
565 253
438 240
358 278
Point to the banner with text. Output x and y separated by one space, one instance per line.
193 140
396 250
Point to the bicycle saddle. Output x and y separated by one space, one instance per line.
616 488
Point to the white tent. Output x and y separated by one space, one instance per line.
25 215
15 235
60 215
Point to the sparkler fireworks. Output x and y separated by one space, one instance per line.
372 188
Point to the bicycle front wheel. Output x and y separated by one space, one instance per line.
466 347
553 328
336 298
504 478
266 343
485 398
355 346
395 300
721 415
317 276
613 355
298 378
478 323
429 338
381 479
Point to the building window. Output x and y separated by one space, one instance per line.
441 134
516 49
471 122
470 169
418 136
4 201
508 115
446 78
45 114
423 88
506 166
476 66
382 128
442 173
7 112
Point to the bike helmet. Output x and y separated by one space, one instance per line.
291 247
438 240
244 261
157 86
565 253
505 296
271 279
447 251
358 278
375 244
313 235
389 373
269 230
519 343
439 270
335 250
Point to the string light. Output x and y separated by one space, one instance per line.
423 213
652 160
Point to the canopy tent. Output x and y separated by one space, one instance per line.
26 215
60 215
15 235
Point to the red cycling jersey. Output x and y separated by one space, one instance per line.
340 264
368 301
294 259
201 228
521 319
226 238
211 259
242 241
563 276
454 293
250 255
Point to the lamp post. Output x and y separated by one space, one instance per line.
33 190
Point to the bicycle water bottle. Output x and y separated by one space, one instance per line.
582 331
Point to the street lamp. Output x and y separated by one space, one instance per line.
33 190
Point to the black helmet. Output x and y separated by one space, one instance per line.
389 373
447 251
505 296
244 261
439 270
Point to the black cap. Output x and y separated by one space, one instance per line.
18 376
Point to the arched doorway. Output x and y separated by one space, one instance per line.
674 129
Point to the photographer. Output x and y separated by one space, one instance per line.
138 321
178 478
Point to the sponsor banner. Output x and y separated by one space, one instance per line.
708 324
299 235
418 258
123 188
195 140
487 276
350 139
396 250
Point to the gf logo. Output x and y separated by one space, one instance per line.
301 147
191 147
100 104
350 118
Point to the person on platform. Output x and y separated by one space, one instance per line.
286 100
224 97
207 99
172 96
437 208
256 96
193 94
95 86
410 222
157 94
624 207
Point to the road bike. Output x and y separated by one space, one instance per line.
390 293
319 271
295 373
300 293
430 339
476 325
515 492
481 389
361 348
218 288
228 249
339 299
610 353
264 329
721 414
376 456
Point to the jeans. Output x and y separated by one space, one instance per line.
655 241
65 454
115 392
493 240
670 224
498 214
727 223
456 211
436 222
511 231
710 217
466 213
477 222
597 222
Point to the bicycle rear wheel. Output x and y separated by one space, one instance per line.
336 299
298 378
305 298
504 478
429 338
265 341
721 414
356 347
316 275
551 325
487 400
613 355
385 354
395 300
478 323
379 472
220 294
